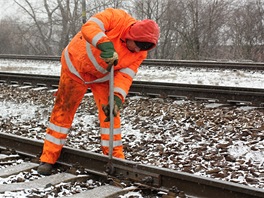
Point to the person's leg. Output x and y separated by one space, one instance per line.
101 94
68 98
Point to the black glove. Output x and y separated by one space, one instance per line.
117 106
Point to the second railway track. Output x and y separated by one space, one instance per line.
213 64
221 94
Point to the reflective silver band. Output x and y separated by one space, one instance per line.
70 65
120 91
115 143
75 72
54 140
58 129
106 131
97 37
98 22
93 59
128 71
99 80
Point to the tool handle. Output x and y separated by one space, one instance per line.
111 101
109 67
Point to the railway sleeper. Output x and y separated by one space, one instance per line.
27 83
111 189
239 102
7 160
55 179
112 186
42 182
203 99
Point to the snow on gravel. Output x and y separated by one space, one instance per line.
221 142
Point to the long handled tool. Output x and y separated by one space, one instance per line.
111 104
109 167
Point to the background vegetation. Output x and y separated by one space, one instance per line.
190 29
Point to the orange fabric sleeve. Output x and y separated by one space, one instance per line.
109 18
123 80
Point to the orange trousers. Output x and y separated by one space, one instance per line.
68 98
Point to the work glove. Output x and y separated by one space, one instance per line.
108 53
117 107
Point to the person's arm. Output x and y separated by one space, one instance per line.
123 80
94 32
124 77
95 28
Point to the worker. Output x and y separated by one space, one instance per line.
110 37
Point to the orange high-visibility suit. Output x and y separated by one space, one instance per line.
83 68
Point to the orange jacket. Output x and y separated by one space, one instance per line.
83 57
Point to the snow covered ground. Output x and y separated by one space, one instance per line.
166 127
233 78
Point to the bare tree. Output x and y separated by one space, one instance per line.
246 31
42 30
68 21
200 27
189 29
10 42
170 28
151 9
52 24
215 15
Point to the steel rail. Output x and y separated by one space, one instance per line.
161 62
221 94
123 169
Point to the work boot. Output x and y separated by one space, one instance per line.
44 168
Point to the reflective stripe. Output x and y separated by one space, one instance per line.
54 140
75 72
97 37
106 131
98 22
93 60
115 143
72 69
99 80
121 91
128 71
58 129
70 65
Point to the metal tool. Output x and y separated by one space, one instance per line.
111 104
110 167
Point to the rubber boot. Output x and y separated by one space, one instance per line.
45 168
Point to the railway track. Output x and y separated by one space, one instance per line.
220 94
19 174
160 62
155 179
149 177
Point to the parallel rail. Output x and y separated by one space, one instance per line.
162 62
192 185
233 95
